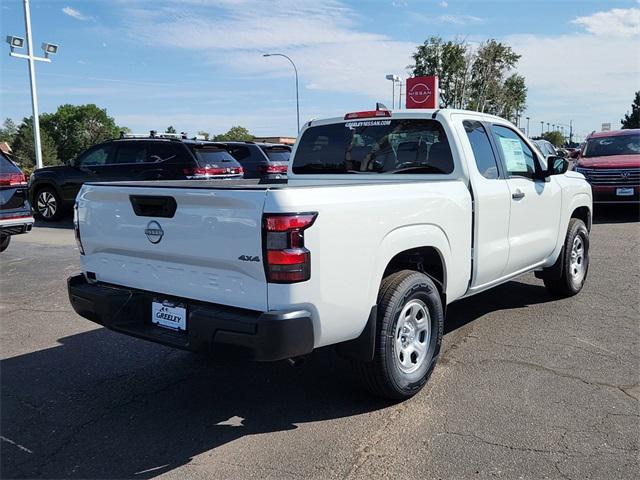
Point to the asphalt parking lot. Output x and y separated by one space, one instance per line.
527 387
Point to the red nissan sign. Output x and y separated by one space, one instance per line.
422 92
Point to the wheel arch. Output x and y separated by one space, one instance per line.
583 213
39 185
579 206
424 248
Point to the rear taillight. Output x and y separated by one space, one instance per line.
76 229
273 168
12 179
206 172
286 259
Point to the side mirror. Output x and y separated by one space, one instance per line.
556 165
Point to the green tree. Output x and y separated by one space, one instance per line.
492 62
514 97
24 149
170 129
475 79
555 137
236 133
632 120
450 62
74 128
8 131
204 134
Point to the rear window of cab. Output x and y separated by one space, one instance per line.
407 146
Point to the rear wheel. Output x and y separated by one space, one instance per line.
47 204
408 336
4 242
567 276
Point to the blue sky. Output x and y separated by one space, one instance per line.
197 64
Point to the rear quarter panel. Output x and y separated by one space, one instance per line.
359 229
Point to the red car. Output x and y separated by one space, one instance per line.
610 161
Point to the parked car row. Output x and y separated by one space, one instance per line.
52 190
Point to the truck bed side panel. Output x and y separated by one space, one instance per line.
359 228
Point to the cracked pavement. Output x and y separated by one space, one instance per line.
527 387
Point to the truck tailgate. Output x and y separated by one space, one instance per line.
210 249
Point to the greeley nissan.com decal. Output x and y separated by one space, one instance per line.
368 123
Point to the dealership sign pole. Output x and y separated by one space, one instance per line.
422 92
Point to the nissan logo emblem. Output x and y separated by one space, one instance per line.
154 232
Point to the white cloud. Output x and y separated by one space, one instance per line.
583 77
589 77
460 19
444 4
72 12
321 36
618 22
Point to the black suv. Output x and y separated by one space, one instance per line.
52 190
267 161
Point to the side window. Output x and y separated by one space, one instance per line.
131 153
519 159
482 151
98 156
240 153
160 152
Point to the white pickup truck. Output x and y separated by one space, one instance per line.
387 217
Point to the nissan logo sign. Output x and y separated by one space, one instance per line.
154 232
420 93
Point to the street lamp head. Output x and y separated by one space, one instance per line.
49 48
392 77
15 42
266 54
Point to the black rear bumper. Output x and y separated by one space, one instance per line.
268 336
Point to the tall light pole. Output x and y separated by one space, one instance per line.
570 126
297 97
394 79
49 49
528 134
541 127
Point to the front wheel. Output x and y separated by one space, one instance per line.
4 242
48 205
408 336
566 278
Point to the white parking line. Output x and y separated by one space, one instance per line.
24 449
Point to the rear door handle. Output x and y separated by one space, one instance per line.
518 194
